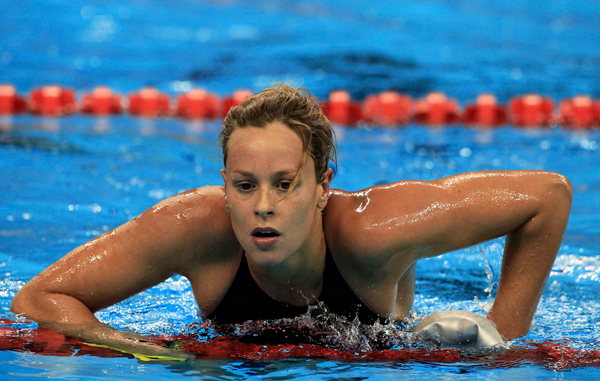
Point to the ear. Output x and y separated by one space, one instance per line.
224 176
325 184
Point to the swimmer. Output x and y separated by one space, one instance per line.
276 237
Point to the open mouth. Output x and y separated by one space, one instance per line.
265 237
265 233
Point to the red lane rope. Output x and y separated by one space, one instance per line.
550 355
388 108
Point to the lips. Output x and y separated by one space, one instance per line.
265 237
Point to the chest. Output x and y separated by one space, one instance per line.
211 282
381 292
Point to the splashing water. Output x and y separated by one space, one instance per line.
491 280
317 326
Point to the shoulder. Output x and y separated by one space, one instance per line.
204 205
389 222
357 218
196 221
195 202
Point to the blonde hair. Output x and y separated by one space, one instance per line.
298 111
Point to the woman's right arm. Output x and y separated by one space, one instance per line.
166 239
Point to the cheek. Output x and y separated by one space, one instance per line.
239 214
303 209
239 203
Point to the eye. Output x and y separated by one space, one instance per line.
244 187
285 185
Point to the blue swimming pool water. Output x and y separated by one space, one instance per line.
64 181
75 180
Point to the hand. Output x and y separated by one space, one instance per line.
148 352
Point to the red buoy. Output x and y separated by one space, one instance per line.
52 101
341 109
101 101
579 112
485 112
388 108
531 110
436 109
149 102
235 99
198 104
10 102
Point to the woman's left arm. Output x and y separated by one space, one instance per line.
418 219
532 209
529 255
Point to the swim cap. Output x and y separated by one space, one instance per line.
456 329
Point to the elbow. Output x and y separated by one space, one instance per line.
555 195
560 191
27 303
19 304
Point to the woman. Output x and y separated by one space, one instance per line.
278 237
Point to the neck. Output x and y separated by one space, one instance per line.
299 279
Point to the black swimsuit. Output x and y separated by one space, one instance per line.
245 300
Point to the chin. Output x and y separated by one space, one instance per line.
267 258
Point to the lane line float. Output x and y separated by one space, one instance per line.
388 108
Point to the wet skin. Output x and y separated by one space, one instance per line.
279 228
375 237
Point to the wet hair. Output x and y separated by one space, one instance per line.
296 109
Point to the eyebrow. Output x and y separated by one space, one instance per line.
276 174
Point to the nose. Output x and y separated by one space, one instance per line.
264 205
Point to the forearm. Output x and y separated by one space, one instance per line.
528 258
104 335
69 316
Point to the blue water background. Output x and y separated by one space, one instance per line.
64 181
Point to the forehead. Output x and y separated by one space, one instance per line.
276 132
273 145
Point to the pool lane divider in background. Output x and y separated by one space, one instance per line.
388 108
551 355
